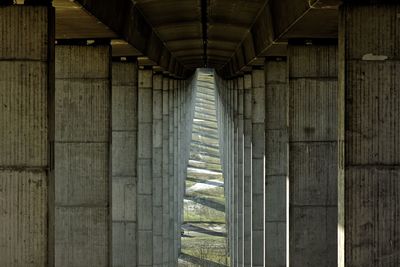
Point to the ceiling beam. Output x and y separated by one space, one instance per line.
124 18
278 21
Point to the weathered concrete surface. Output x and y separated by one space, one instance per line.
258 167
276 163
172 192
240 184
157 171
26 80
369 147
81 155
247 163
145 173
124 163
166 185
313 155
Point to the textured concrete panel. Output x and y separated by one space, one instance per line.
313 170
276 198
82 62
372 111
124 153
87 100
124 244
311 227
23 218
81 236
27 42
277 103
275 245
145 248
124 107
313 61
313 105
23 113
125 74
81 174
124 199
277 148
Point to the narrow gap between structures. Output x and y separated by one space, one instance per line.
203 238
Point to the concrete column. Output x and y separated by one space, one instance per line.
172 193
313 154
81 155
258 167
276 164
235 169
369 122
145 173
165 172
157 170
176 169
240 185
247 163
181 158
124 162
26 96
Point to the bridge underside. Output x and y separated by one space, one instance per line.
96 114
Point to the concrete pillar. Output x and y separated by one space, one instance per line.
172 193
124 163
313 154
277 162
165 172
157 170
258 167
368 134
240 184
247 163
235 169
176 170
81 155
145 171
26 96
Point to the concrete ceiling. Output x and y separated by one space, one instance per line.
179 25
169 34
75 22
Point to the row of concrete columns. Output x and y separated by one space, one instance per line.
310 150
94 152
162 111
310 159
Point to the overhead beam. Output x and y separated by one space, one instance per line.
124 18
277 22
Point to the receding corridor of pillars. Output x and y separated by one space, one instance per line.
96 111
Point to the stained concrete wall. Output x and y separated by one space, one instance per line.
258 167
145 171
26 81
369 146
157 171
81 155
166 185
247 163
124 163
276 162
240 170
313 154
